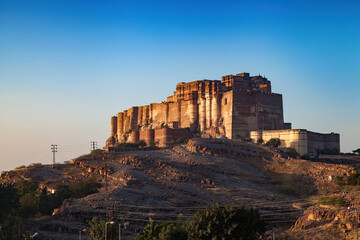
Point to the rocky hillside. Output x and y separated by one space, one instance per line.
160 184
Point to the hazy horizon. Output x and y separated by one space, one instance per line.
66 67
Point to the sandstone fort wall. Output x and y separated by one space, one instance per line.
232 107
305 142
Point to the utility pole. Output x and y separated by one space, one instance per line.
93 145
54 150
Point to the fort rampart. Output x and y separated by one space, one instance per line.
237 106
304 141
231 107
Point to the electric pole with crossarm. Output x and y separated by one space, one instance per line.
93 145
54 150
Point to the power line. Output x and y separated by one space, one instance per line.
93 145
54 150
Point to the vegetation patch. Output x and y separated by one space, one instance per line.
291 152
97 228
354 178
214 222
138 144
329 151
93 153
25 199
331 201
273 142
179 141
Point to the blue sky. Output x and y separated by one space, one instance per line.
67 66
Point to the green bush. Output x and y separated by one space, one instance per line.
173 231
35 166
77 189
96 152
332 201
81 189
164 231
21 167
27 186
140 143
154 143
28 205
354 178
226 222
356 151
179 141
97 229
214 222
62 191
339 180
260 141
273 142
291 152
163 125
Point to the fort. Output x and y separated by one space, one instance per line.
237 106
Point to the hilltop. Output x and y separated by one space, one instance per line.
162 183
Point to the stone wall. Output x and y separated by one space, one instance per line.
305 142
165 136
253 110
148 136
159 137
322 141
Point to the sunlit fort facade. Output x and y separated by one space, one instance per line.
239 106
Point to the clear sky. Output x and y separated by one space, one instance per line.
67 66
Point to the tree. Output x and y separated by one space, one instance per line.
97 229
164 231
10 223
274 142
28 205
357 151
226 222
28 197
9 199
141 143
291 152
62 192
47 202
26 186
10 227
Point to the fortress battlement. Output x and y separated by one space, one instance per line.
230 107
